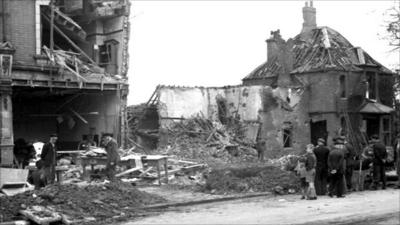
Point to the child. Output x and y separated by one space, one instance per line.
301 171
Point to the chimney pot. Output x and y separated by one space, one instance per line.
309 16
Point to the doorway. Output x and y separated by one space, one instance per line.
318 130
371 125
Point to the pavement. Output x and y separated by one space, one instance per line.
368 207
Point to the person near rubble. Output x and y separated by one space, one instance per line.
378 162
396 147
336 168
321 172
260 147
113 158
301 172
48 156
349 158
39 175
311 162
23 152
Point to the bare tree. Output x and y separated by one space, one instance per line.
392 25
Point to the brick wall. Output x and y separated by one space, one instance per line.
21 27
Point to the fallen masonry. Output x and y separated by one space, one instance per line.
77 203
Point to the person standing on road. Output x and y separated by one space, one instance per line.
396 148
48 156
349 158
321 173
113 157
301 171
378 162
260 146
336 168
311 162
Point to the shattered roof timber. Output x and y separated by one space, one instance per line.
67 23
320 49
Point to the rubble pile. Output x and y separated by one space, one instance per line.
287 162
201 140
251 178
99 202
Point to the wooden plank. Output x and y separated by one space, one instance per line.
79 116
144 173
128 171
183 161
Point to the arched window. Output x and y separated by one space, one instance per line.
342 89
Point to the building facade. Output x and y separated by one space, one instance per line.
64 71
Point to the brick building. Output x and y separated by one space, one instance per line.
344 89
64 70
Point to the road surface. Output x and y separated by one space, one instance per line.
368 207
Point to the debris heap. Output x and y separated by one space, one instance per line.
94 202
252 178
202 140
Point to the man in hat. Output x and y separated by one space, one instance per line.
321 152
336 168
378 162
113 157
48 156
349 158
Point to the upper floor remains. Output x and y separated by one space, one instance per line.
80 36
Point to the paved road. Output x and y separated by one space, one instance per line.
369 207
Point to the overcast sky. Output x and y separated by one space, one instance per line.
217 43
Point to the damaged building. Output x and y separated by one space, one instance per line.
64 71
315 85
346 90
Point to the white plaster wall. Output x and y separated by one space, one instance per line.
187 102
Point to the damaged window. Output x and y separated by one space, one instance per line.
108 56
342 81
386 130
371 89
287 135
222 110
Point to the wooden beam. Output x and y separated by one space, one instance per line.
69 40
79 116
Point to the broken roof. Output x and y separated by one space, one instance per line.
319 49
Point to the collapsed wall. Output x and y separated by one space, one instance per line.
278 115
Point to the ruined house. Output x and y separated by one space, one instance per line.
315 85
345 90
64 70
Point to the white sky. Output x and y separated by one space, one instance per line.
217 43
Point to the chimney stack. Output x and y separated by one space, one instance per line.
309 16
274 45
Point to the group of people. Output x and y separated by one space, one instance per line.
46 166
324 170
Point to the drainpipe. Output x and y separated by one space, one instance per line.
4 34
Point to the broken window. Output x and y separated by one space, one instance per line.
222 110
287 135
371 89
386 130
342 89
343 124
108 56
5 65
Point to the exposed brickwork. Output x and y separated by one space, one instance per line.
21 27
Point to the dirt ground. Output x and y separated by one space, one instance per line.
289 209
